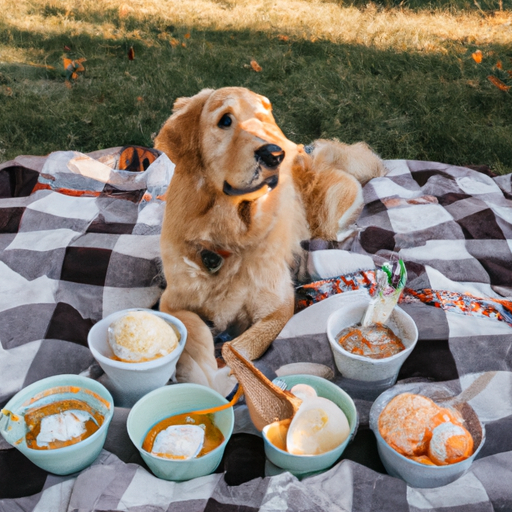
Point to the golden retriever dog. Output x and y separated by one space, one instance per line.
242 198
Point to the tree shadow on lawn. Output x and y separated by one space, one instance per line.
414 105
482 6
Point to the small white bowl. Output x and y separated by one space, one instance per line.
130 381
169 401
414 473
361 368
303 465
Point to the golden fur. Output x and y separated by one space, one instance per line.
259 233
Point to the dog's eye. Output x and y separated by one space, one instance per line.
225 121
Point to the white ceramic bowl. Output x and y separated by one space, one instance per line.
130 381
414 473
300 465
169 401
69 459
361 368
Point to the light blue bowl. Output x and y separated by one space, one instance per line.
170 401
300 465
69 459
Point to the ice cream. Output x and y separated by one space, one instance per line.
141 336
405 423
421 430
60 424
179 442
183 436
449 444
318 426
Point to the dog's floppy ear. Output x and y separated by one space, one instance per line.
179 136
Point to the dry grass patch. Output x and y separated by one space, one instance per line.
401 78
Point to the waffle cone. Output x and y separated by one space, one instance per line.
266 402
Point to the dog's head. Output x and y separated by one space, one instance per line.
230 136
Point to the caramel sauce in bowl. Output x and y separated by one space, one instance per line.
34 420
75 394
175 405
366 363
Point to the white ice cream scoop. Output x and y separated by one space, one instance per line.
63 426
179 442
318 427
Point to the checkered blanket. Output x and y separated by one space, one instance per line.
79 239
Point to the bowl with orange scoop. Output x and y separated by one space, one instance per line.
424 435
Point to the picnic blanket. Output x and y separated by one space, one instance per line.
79 239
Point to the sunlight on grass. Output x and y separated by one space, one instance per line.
403 79
398 29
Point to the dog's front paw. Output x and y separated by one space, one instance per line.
188 370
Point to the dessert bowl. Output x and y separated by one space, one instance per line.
300 465
68 459
414 473
130 381
366 369
170 401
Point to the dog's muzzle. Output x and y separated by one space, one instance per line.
271 182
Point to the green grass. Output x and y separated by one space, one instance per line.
406 103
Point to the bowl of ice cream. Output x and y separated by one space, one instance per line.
175 443
138 350
318 433
425 437
60 423
388 350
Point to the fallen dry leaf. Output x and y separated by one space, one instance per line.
174 42
498 83
184 45
124 10
140 98
282 37
67 83
499 65
131 53
187 35
256 66
477 56
73 67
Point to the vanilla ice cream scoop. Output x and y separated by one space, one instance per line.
318 427
141 336
179 442
64 426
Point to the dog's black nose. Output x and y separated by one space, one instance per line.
270 155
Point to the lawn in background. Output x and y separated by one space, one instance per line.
406 77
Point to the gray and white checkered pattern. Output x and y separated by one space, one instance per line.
451 225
